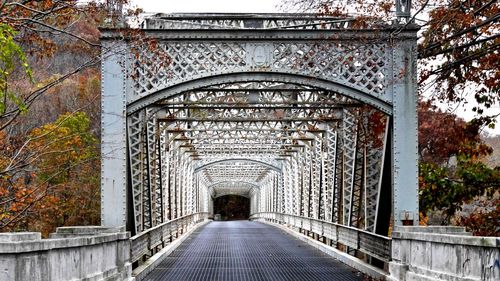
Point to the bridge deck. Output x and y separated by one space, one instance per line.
244 251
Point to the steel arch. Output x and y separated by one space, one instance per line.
289 78
198 169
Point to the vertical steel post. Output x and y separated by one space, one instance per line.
113 134
404 133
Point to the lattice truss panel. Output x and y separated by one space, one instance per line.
261 21
289 148
362 65
287 21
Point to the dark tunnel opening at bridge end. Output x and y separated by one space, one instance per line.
231 207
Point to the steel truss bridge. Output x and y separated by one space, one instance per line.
312 120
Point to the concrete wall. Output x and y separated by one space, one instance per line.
72 253
443 253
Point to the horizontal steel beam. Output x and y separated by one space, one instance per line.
293 88
254 107
246 120
266 137
263 104
178 130
271 35
247 16
247 151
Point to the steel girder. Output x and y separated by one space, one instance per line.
136 156
350 144
375 157
329 174
164 172
237 22
357 65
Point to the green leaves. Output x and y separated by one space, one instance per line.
63 145
11 57
448 188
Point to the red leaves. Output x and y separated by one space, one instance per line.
64 154
443 135
377 122
459 40
483 221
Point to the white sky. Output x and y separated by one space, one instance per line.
256 6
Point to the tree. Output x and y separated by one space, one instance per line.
11 55
36 168
443 135
67 168
483 222
35 27
458 50
61 38
447 189
62 187
464 38
451 171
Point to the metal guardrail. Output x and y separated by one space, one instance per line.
372 244
149 241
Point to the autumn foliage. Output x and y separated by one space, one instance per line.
452 172
49 114
458 45
443 135
49 105
483 222
460 52
62 187
50 109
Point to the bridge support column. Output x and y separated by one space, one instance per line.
113 135
404 133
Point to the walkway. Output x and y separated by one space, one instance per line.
244 251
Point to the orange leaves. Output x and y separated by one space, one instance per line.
63 143
6 150
423 221
47 174
64 156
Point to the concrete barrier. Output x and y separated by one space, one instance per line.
72 253
443 253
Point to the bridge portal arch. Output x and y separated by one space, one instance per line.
378 101
290 90
237 161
